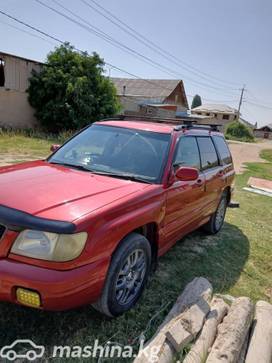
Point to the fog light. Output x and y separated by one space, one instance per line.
28 297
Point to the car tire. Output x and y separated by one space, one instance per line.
127 276
217 219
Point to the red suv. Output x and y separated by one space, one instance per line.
87 224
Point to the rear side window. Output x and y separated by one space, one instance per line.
208 155
187 153
223 149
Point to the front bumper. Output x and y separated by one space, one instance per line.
58 290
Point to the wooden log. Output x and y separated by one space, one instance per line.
199 351
260 345
232 332
187 325
159 349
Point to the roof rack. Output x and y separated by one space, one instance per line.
211 127
143 118
187 124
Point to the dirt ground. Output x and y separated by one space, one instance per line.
242 152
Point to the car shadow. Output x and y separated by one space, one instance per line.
219 258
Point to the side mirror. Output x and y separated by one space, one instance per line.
54 148
185 173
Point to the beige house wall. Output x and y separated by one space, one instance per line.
218 119
15 110
263 134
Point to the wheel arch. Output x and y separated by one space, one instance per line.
150 232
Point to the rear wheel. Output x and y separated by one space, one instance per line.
127 276
217 219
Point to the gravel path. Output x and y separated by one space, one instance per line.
243 152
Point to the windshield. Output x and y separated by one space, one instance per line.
116 151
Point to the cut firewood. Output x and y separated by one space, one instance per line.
160 349
232 332
198 353
260 346
187 325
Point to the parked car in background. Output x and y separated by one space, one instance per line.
86 225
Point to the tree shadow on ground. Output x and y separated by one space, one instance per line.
220 258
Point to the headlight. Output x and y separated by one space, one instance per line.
49 246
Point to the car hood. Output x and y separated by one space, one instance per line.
60 193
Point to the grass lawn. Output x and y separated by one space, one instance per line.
20 144
237 261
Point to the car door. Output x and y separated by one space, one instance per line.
214 174
184 199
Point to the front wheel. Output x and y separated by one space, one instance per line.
127 276
217 219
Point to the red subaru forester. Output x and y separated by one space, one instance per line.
86 225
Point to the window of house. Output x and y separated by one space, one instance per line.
223 149
207 114
215 115
2 73
187 153
225 117
208 154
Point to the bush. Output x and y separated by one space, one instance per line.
71 91
238 131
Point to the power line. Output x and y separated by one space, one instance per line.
102 35
81 51
26 32
155 47
77 49
258 105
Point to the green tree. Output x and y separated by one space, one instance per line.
238 131
71 90
196 101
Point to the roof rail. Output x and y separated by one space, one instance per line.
187 124
143 118
211 127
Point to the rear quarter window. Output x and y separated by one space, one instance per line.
208 154
222 149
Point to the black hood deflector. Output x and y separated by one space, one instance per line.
17 220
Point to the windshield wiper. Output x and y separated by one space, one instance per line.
75 166
125 176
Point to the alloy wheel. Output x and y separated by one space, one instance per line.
131 276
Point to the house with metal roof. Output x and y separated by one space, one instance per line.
220 114
155 97
264 132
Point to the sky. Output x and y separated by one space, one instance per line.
215 46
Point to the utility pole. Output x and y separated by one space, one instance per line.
241 101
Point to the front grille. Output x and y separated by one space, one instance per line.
2 230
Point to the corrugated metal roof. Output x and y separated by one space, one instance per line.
3 54
215 108
157 88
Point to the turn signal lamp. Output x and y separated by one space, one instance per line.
28 297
